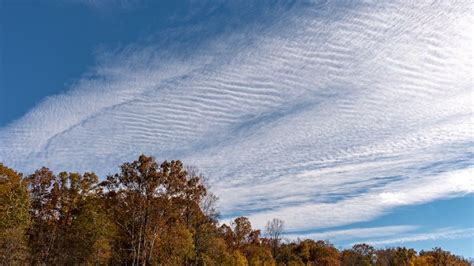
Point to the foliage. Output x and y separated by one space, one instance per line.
14 218
155 214
70 224
273 230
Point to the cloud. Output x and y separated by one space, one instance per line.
321 114
368 205
385 235
357 233
443 233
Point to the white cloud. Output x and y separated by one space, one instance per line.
444 233
357 233
385 235
329 115
368 205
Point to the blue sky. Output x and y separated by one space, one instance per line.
351 121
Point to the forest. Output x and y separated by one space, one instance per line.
154 213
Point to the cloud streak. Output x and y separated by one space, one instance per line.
357 233
331 114
444 233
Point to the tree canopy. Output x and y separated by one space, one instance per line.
155 214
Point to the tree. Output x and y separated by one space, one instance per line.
258 253
440 257
323 253
131 196
90 237
273 230
360 254
69 222
242 238
155 214
241 228
293 254
44 214
175 245
148 199
396 256
14 217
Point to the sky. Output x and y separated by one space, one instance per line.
352 121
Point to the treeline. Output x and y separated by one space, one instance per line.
154 214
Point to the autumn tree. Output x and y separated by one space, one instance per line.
69 223
242 238
358 255
292 254
14 217
202 218
395 256
273 230
241 228
91 236
149 201
322 253
43 233
156 214
440 257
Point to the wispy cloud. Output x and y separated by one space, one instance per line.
383 236
367 205
356 233
331 114
444 233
